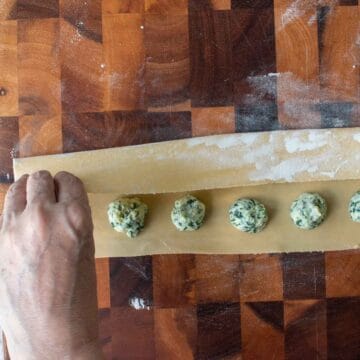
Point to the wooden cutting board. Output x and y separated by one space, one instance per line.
82 75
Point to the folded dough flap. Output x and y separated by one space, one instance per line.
211 162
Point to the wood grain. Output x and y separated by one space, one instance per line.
254 67
167 70
166 6
297 59
36 9
342 277
125 61
103 282
92 131
8 9
84 16
136 291
9 137
40 135
305 329
81 34
304 275
337 114
175 333
348 2
222 283
8 69
219 331
3 190
39 67
210 4
213 121
260 117
132 333
258 4
211 58
105 332
343 329
176 288
339 56
262 334
253 53
261 278
122 6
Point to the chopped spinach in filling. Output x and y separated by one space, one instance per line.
188 213
354 207
127 215
308 211
248 215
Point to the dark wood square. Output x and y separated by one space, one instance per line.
343 328
259 4
304 275
36 9
348 2
105 331
84 16
254 56
219 331
9 137
305 329
336 115
211 58
91 131
251 118
136 291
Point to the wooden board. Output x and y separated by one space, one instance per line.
194 68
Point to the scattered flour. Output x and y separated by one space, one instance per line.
305 140
138 303
301 8
356 137
225 142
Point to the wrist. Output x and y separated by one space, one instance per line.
56 346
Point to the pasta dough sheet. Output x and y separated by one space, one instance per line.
217 236
211 162
287 162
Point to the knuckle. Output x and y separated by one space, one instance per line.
14 187
79 216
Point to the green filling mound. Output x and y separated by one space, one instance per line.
127 215
354 207
248 215
308 211
188 213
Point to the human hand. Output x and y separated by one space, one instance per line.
48 304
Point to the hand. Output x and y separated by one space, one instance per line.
48 304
